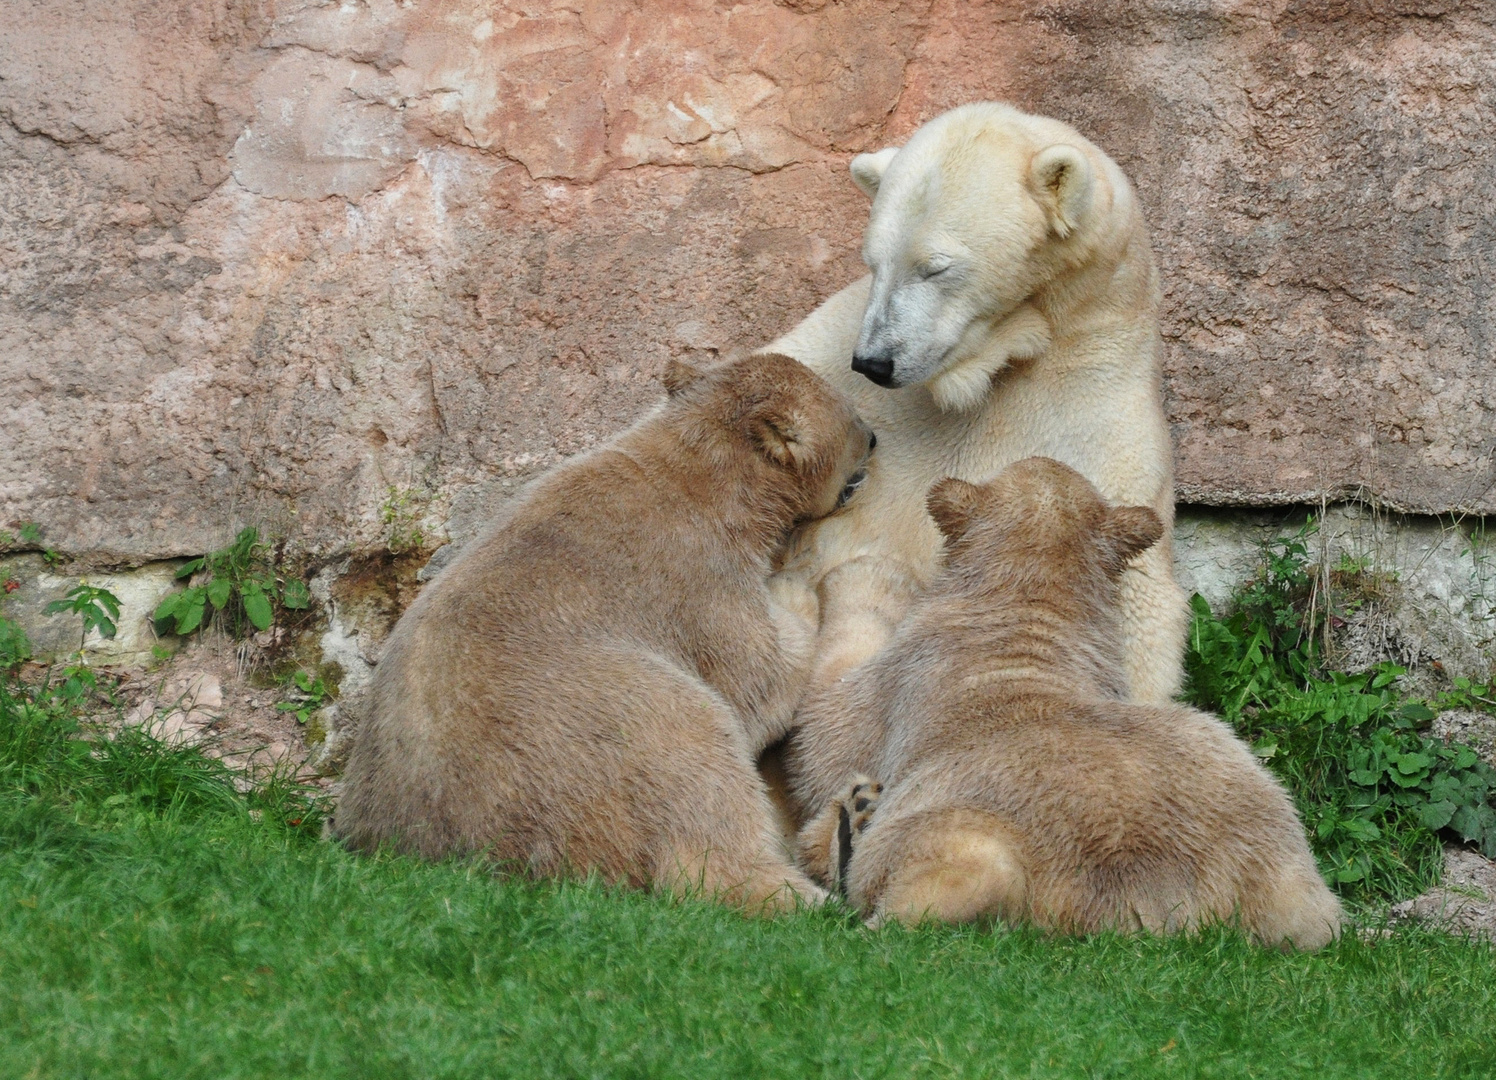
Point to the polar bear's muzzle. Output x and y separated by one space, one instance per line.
877 368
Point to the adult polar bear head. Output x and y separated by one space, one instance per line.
978 223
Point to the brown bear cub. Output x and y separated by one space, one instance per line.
587 686
1020 783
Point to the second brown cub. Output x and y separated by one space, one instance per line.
1019 783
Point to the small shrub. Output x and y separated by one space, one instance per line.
1374 791
239 582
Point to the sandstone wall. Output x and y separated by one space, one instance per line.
341 268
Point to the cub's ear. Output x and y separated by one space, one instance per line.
777 436
867 169
1061 179
678 375
952 503
1127 532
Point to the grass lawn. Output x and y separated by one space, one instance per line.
157 922
205 943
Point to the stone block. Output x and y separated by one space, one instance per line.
59 636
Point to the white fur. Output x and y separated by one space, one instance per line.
1014 290
867 169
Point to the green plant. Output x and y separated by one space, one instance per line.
15 649
401 513
98 606
238 581
1374 791
1479 548
310 695
1445 786
28 537
52 750
1469 694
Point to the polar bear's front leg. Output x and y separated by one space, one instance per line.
863 601
1155 619
795 612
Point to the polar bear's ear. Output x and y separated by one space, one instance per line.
1062 179
778 437
678 375
867 169
1127 532
952 503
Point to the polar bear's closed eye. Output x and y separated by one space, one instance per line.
934 265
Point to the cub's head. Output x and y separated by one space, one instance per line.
782 424
1042 523
979 210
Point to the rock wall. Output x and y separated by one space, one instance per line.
336 269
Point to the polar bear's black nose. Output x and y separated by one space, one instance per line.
875 368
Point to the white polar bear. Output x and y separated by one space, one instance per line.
1012 311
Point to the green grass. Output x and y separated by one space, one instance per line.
221 948
155 921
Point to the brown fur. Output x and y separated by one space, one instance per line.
1020 784
587 686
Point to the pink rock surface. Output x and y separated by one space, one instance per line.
289 263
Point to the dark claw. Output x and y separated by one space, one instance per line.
843 849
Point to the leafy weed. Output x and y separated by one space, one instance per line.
309 695
98 606
1375 791
238 583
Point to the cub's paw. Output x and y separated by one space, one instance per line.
854 811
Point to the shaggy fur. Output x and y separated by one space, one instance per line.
587 686
1015 297
1020 784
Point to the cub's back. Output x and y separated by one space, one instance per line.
589 560
1083 774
